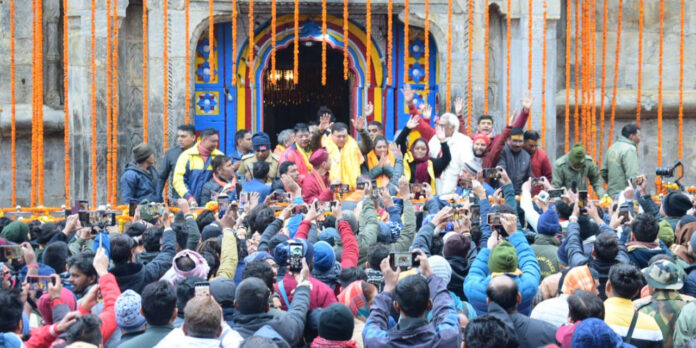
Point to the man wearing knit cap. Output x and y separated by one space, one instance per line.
576 166
545 243
140 179
316 185
674 207
335 327
16 231
261 144
128 316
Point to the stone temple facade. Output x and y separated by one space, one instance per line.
245 103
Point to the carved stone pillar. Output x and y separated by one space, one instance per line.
51 17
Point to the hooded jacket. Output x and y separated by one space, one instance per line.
138 184
545 248
530 333
135 276
641 254
620 163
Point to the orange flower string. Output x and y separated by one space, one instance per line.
543 74
187 73
530 55
109 90
33 103
469 82
426 44
165 76
576 115
659 84
567 79
681 80
145 78
93 88
616 74
40 93
13 110
368 42
234 42
448 92
640 63
406 10
604 76
593 73
252 42
296 42
507 62
345 38
273 37
390 38
487 19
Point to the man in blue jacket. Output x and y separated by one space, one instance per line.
140 180
413 297
501 257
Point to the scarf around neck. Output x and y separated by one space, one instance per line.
205 153
421 174
345 162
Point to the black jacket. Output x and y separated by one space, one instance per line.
528 332
135 276
167 168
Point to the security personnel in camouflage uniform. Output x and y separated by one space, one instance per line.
576 166
261 144
665 279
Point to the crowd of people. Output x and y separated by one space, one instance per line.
444 237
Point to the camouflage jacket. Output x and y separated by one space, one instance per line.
664 306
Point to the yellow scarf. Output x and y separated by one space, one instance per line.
373 161
278 151
345 162
305 155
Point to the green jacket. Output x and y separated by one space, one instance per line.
664 306
408 232
686 325
149 338
564 175
545 248
368 230
619 165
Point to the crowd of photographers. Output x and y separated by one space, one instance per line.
446 237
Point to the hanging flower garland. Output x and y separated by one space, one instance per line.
600 146
145 76
93 87
234 42
13 110
543 74
406 53
34 80
273 38
530 54
109 91
252 42
390 38
616 74
470 61
593 72
576 114
448 92
681 79
40 94
487 19
114 99
187 73
296 42
659 84
583 74
368 43
507 62
640 63
426 43
566 144
345 38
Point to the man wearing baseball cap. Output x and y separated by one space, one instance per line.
261 144
665 278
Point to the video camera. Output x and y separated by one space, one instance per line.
668 172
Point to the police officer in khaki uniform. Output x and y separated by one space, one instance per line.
261 144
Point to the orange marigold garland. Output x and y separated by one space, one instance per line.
109 91
470 61
681 79
187 73
530 54
252 42
296 42
273 41
368 43
390 38
487 20
33 102
616 74
507 62
448 92
567 79
406 9
145 76
93 90
345 38
426 44
640 63
40 94
576 114
600 146
659 84
543 74
13 110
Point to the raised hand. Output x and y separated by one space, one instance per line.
325 122
458 105
527 100
358 123
427 112
369 109
413 122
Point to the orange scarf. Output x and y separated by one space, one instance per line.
373 161
319 179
